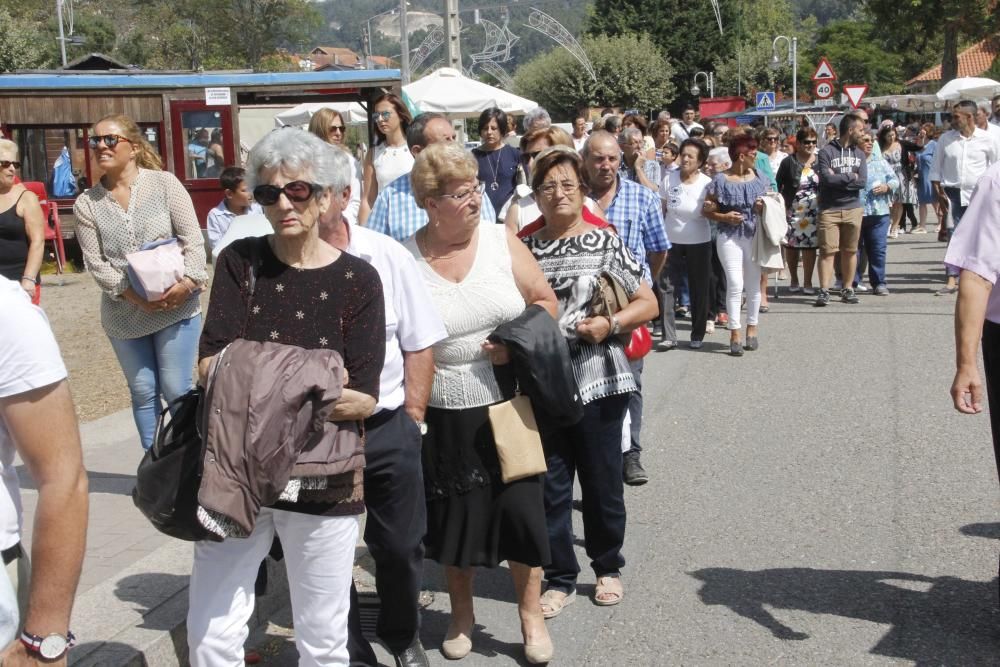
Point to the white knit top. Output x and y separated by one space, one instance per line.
471 310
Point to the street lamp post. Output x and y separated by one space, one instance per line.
709 81
371 52
793 60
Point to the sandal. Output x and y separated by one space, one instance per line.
554 601
608 591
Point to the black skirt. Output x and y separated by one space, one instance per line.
473 518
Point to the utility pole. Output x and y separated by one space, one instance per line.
453 51
62 38
404 44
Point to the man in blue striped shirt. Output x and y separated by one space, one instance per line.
635 212
396 213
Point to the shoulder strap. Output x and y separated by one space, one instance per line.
254 271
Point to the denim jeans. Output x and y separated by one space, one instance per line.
160 364
957 211
591 451
873 244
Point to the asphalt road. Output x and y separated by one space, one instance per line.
817 502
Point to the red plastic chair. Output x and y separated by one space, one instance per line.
53 231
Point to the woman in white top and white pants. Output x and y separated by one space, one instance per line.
683 193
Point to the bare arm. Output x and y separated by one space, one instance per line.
641 308
513 217
353 405
34 227
970 311
656 260
418 376
43 425
369 186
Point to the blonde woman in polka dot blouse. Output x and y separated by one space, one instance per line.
156 342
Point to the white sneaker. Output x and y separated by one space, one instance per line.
710 327
862 288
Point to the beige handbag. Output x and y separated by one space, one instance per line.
519 447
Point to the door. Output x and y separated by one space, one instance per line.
203 146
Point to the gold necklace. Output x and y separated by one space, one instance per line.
427 252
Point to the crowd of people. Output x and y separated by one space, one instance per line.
422 294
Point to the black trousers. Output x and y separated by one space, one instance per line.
394 530
716 285
991 363
591 451
695 261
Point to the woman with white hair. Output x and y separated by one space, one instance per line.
307 294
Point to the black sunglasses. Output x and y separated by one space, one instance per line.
336 128
296 191
6 163
110 140
809 142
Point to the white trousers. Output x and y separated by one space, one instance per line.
741 272
319 558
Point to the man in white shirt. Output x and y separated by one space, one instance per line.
394 487
682 130
962 156
579 133
38 421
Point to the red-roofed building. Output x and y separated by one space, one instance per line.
971 62
334 55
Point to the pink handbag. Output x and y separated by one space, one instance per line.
155 268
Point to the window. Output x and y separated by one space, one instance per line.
205 148
53 156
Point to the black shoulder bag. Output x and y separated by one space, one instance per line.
169 475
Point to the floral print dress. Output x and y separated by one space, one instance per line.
805 209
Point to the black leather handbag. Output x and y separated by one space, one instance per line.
169 475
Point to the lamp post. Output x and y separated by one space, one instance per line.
793 60
709 81
389 12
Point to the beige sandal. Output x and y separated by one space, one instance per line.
554 601
608 592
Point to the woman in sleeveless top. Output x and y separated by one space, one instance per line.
390 157
479 277
22 225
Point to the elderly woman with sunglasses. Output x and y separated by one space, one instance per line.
135 203
573 255
22 225
310 295
480 277
328 124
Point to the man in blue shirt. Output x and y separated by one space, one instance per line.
635 212
395 212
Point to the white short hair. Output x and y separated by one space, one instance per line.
301 152
721 156
6 145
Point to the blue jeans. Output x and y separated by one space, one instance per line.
957 211
873 243
160 364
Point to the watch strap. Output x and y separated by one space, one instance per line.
34 643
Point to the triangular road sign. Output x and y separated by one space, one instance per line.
855 92
824 71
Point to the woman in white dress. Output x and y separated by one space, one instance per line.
389 157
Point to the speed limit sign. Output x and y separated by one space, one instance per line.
823 90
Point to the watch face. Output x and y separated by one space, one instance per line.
52 647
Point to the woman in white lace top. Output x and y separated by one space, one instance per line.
479 277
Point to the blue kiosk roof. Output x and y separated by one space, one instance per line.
152 80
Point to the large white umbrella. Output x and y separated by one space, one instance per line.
911 103
448 91
969 88
352 112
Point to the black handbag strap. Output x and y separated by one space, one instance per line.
254 271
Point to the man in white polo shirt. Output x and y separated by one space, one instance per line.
394 487
38 421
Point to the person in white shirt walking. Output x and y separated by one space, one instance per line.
963 155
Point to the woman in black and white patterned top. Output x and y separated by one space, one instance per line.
135 202
573 254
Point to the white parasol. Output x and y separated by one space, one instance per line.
448 91
969 88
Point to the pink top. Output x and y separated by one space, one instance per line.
975 245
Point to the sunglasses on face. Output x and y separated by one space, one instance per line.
296 191
336 128
382 115
7 163
110 140
809 142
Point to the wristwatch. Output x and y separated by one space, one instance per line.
615 325
50 647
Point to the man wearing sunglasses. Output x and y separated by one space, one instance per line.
393 477
395 212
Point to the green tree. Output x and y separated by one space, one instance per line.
934 29
21 44
631 72
856 51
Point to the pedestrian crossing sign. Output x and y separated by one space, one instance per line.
765 101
